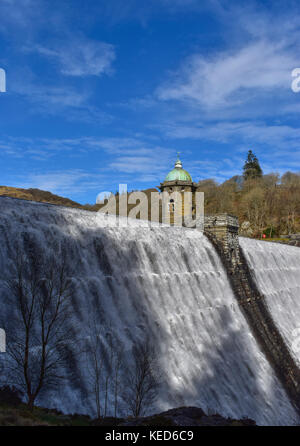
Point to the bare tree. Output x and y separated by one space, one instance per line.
94 361
255 207
118 361
103 359
108 371
141 383
38 296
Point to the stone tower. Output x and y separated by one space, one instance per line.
176 203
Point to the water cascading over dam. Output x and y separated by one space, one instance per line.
276 269
170 285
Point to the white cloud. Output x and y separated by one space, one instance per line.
44 148
131 157
137 164
61 182
51 95
277 146
117 145
249 77
251 132
232 77
80 56
73 104
24 14
22 21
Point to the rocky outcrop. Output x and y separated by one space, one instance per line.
186 416
294 239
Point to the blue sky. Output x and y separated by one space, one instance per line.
106 92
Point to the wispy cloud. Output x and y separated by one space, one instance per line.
22 14
142 164
126 158
231 78
58 182
249 75
278 146
50 95
251 132
136 158
79 56
45 148
116 11
69 182
73 104
34 27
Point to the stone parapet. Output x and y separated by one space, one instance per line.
224 228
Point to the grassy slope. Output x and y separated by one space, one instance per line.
48 197
37 195
21 416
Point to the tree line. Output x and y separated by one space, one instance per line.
265 204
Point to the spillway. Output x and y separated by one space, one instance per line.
167 284
276 270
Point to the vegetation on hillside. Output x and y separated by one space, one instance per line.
269 204
37 195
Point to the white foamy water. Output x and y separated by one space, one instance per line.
276 269
167 283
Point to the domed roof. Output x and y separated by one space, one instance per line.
178 173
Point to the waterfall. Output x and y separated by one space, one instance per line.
276 270
167 284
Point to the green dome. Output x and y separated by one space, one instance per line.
178 173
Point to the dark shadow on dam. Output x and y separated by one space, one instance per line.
232 374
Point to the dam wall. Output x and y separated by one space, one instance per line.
276 270
263 321
166 284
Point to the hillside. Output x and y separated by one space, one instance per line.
37 195
43 196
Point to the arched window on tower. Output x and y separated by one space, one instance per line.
171 206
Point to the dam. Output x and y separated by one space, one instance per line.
170 285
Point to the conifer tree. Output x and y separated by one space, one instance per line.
251 167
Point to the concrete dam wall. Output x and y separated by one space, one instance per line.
169 285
